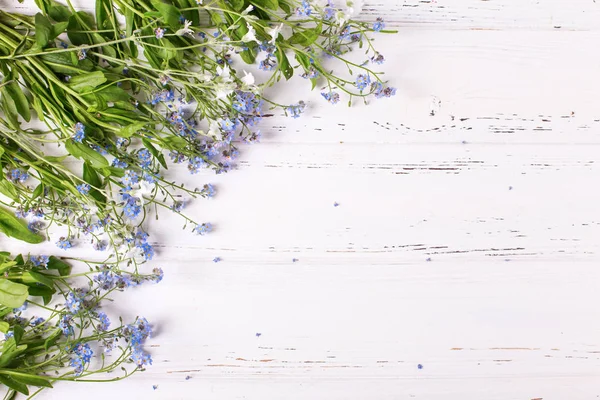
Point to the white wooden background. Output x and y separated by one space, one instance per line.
498 190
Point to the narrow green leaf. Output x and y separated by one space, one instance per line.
30 277
15 385
18 97
13 227
33 380
18 334
8 189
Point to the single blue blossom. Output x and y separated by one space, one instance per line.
157 275
378 25
203 229
208 190
159 33
83 188
64 243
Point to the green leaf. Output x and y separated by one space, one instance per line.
131 129
8 189
9 107
39 189
12 294
7 265
13 384
62 267
18 333
29 277
80 21
80 150
271 4
155 152
169 13
284 64
18 97
85 82
59 13
10 350
59 28
43 30
303 60
91 176
306 37
43 291
33 380
13 227
53 338
4 326
238 5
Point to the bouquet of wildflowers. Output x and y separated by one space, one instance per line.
45 344
123 94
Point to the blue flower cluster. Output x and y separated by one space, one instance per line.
83 188
331 97
378 25
295 110
80 356
18 175
136 334
64 243
304 9
362 81
40 261
203 229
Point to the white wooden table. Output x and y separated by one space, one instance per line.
498 190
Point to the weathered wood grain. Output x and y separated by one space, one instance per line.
464 241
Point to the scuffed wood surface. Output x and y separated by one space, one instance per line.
465 241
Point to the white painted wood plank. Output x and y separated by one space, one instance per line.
506 307
453 14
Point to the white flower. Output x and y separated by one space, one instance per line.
224 90
213 128
274 32
223 72
199 2
186 29
144 189
248 79
251 35
223 82
248 9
